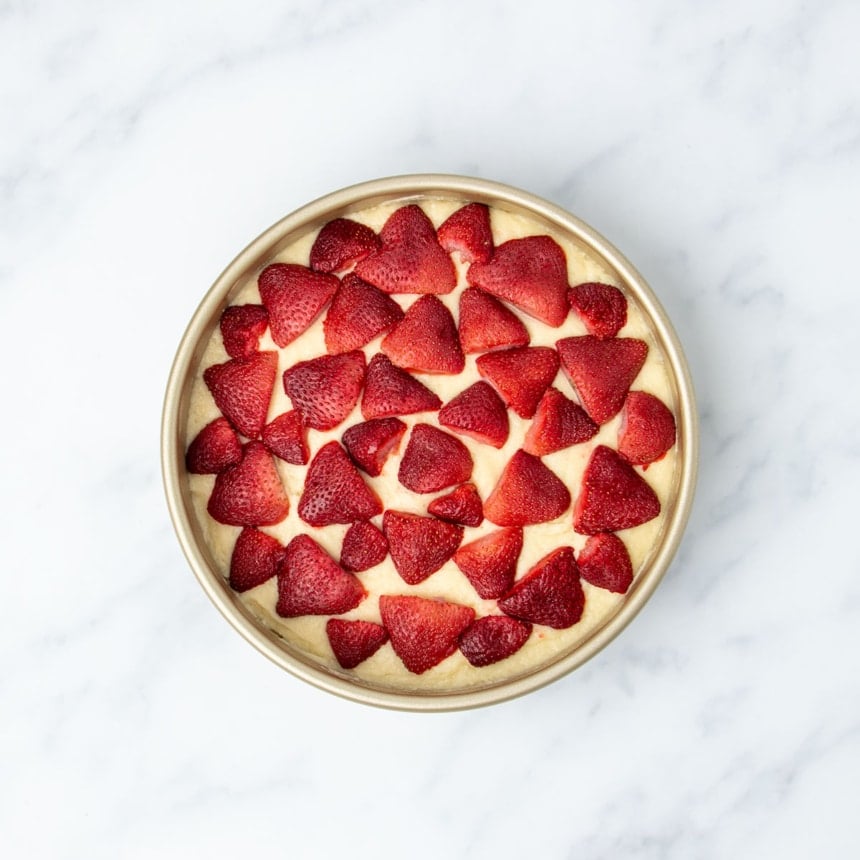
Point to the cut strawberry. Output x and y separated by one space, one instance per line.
294 296
255 559
461 506
310 582
647 429
353 642
249 493
601 307
527 493
372 442
242 326
486 324
613 496
325 389
468 233
334 491
602 371
425 339
213 449
549 594
558 423
287 437
364 546
492 638
411 259
530 273
521 375
419 546
423 632
490 562
390 391
478 412
358 313
433 460
605 562
341 243
242 389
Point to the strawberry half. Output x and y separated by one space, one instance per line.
433 460
492 638
411 259
310 582
249 493
213 449
602 371
478 412
613 496
242 326
558 424
549 594
605 562
353 642
242 389
467 232
364 546
601 307
334 492
527 493
461 506
423 632
255 559
341 243
294 296
325 389
287 437
419 546
530 273
390 391
647 429
372 442
490 562
358 313
521 375
425 339
486 324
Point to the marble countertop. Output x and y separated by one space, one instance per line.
144 144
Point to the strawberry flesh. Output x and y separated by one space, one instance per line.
521 375
461 506
390 391
286 436
242 389
467 232
325 389
485 324
558 424
358 313
605 562
364 546
255 559
601 307
492 638
425 340
242 326
213 449
647 429
353 642
341 243
490 562
477 412
433 460
372 442
419 546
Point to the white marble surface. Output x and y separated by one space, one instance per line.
143 144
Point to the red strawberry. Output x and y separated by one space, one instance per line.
423 632
550 593
310 582
294 296
334 492
647 429
390 391
287 437
530 273
364 546
462 506
419 546
486 324
433 460
255 559
605 562
492 638
213 449
341 243
411 259
558 423
467 232
521 375
478 412
371 442
601 371
242 389
601 307
249 493
527 493
325 389
425 339
490 562
354 641
242 326
613 496
358 313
